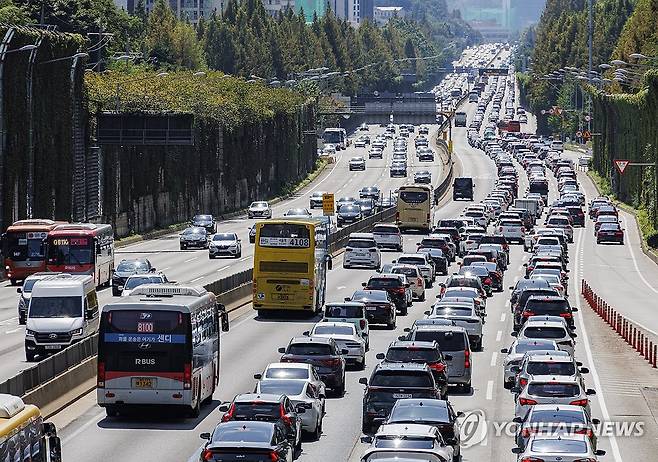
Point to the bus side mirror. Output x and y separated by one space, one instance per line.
19 291
330 263
223 314
205 436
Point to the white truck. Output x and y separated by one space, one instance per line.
531 205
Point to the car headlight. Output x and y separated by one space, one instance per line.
30 332
76 331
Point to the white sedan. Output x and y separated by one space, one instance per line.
346 337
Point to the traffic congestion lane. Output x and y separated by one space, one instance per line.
195 267
246 342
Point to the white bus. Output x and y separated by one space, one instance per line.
415 207
337 137
160 346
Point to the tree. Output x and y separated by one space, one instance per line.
13 14
160 31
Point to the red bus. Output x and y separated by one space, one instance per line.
23 248
82 248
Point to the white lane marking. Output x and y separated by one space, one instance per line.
223 268
165 268
197 279
507 303
499 336
490 390
494 358
244 259
637 268
520 267
190 259
503 317
8 321
13 330
588 351
84 427
340 287
516 279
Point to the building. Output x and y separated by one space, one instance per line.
192 10
311 8
274 7
382 14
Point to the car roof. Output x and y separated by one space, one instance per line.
559 358
288 366
407 429
439 327
302 340
335 324
412 343
265 397
401 367
555 379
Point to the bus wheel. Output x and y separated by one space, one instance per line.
195 410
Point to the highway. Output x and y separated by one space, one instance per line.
625 385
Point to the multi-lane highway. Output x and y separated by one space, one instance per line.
623 383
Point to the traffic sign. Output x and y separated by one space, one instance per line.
551 111
621 165
328 206
579 134
587 134
587 118
543 111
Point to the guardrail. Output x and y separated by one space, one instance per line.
634 335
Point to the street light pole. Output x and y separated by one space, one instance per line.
589 73
29 206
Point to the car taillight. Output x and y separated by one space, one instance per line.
439 367
397 216
619 233
274 457
286 418
527 402
187 376
399 290
584 431
487 281
331 362
467 359
500 229
419 282
566 315
531 459
587 459
527 314
100 380
362 324
523 229
527 432
207 454
523 382
579 402
229 414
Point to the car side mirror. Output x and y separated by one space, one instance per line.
224 407
517 420
205 436
515 389
402 338
427 312
366 439
306 333
363 381
447 357
584 370
515 369
460 414
19 291
574 309
599 452
517 450
364 284
511 287
394 261
573 334
578 363
300 408
514 334
282 350
380 356
596 421
258 376
406 286
590 392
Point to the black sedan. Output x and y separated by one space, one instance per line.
262 441
204 221
348 214
127 268
423 177
380 309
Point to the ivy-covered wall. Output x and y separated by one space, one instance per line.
249 144
52 139
628 127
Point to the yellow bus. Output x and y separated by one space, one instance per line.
291 259
415 207
24 436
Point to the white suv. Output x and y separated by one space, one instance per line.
362 250
387 235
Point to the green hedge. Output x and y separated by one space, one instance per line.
628 127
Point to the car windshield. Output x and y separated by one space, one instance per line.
553 390
189 231
401 379
27 285
404 442
412 261
460 293
260 205
448 341
333 330
417 414
202 218
349 209
412 355
551 368
411 272
338 311
559 446
370 295
361 244
224 237
286 373
135 266
550 307
385 230
133 282
451 311
55 307
309 349
281 387
384 283
544 332
557 416
524 347
244 433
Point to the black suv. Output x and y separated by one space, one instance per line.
127 268
462 188
390 382
550 305
204 221
421 353
391 283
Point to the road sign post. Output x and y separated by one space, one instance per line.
328 205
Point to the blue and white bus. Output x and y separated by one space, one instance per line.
160 347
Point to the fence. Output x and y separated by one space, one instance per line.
635 336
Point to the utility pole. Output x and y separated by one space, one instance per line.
589 73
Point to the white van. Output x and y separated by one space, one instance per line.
63 310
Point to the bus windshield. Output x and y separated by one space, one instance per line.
333 136
285 235
70 250
414 197
24 246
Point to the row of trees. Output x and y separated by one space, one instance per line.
244 40
561 39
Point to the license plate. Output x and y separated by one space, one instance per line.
53 347
281 297
143 382
402 395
